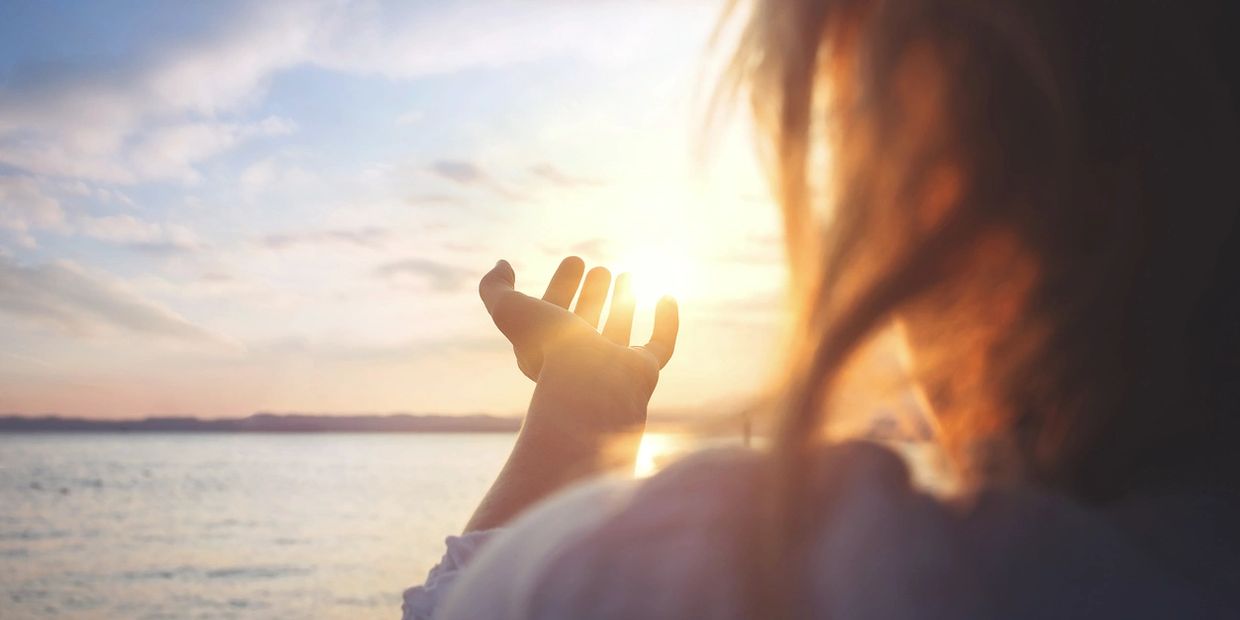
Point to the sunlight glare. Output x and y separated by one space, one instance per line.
657 272
655 451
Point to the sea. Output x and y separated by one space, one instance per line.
102 525
250 525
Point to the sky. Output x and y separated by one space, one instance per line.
219 208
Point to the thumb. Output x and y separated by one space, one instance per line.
498 282
512 312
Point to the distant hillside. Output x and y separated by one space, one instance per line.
271 423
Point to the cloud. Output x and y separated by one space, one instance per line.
155 112
463 172
368 237
409 39
555 176
63 296
469 174
441 277
159 152
165 105
216 277
272 174
101 194
171 152
435 200
127 230
24 207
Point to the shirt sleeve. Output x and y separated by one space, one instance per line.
603 549
504 577
421 601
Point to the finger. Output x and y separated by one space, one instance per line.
511 311
593 294
620 317
563 285
666 325
498 282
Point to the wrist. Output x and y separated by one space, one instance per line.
589 395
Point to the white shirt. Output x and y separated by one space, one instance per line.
671 547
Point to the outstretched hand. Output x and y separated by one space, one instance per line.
542 328
588 410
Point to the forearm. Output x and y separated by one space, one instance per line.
583 419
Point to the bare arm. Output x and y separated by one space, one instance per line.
589 406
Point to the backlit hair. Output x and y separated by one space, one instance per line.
1042 192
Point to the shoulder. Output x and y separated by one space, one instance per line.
672 545
675 546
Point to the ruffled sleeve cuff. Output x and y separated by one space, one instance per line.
421 601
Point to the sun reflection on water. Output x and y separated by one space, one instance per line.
656 451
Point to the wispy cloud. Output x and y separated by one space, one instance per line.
66 297
77 187
441 276
157 151
367 237
24 207
127 230
463 172
273 175
469 174
435 200
555 176
153 113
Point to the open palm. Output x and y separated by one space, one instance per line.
541 327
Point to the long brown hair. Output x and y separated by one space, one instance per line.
1043 192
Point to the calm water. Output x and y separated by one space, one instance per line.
222 526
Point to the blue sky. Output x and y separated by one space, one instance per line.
218 208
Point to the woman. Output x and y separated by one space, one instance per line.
1040 194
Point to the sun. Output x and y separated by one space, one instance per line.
656 272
